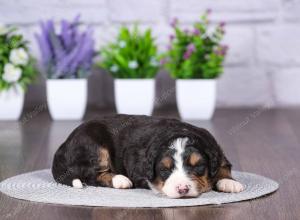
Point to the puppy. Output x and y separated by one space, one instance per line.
123 151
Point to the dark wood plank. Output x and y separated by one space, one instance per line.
261 141
293 116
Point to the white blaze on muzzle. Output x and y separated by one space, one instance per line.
178 183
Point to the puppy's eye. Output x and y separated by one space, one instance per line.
164 169
164 172
199 168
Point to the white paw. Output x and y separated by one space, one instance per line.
230 186
121 182
77 184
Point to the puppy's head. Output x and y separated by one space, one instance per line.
182 170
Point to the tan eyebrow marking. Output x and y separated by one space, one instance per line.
167 162
194 158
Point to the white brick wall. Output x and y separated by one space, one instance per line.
242 44
279 45
230 10
30 11
291 9
263 64
244 86
286 86
133 10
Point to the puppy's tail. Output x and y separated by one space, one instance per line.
76 183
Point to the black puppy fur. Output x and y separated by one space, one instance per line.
134 144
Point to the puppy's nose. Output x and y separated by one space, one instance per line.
182 189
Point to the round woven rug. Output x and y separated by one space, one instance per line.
39 186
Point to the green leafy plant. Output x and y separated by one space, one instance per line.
196 54
133 55
16 65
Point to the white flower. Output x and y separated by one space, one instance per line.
122 44
3 29
133 64
19 56
114 68
153 62
11 73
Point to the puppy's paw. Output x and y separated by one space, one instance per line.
121 182
229 185
76 183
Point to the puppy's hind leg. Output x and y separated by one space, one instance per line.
121 182
106 176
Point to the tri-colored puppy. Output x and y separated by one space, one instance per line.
165 155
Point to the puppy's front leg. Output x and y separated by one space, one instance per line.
224 180
229 185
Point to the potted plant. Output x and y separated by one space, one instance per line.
16 72
133 62
66 61
195 59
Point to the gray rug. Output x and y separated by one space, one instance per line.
39 186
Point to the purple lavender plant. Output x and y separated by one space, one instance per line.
68 54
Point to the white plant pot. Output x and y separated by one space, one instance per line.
67 98
11 103
134 96
196 98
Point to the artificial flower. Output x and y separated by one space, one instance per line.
3 29
122 44
11 73
114 68
19 56
133 64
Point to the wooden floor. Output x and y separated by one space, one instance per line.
262 141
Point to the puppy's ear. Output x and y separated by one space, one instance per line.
214 160
149 165
212 150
